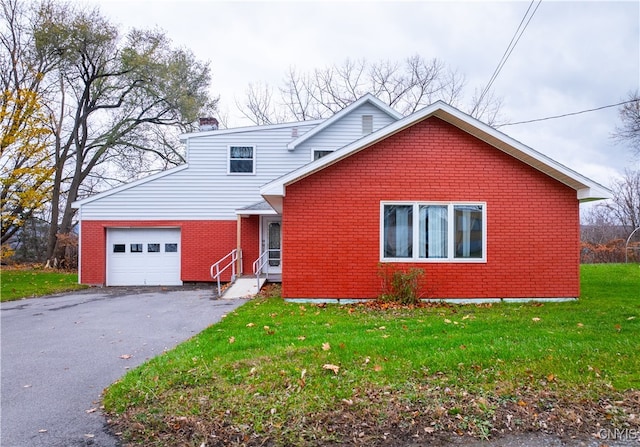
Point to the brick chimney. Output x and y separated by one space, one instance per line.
209 123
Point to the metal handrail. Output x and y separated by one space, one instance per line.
233 254
627 248
258 266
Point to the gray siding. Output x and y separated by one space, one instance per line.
205 191
347 130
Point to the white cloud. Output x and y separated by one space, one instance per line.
573 55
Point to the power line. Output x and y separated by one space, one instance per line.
568 114
507 53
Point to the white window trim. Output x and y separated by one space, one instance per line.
320 149
415 259
253 172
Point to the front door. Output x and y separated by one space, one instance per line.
271 242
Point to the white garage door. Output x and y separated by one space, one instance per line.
143 257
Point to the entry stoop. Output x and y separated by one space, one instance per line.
243 287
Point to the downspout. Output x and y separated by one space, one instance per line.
239 245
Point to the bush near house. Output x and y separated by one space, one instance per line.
277 373
614 251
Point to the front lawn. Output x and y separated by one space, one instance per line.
18 283
301 374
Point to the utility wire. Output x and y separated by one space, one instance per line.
507 53
568 114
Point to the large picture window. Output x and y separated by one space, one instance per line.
242 160
433 232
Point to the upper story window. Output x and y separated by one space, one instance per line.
242 160
367 124
433 232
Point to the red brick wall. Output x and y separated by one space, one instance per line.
203 243
250 242
331 220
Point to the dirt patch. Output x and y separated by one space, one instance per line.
531 420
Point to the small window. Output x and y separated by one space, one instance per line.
241 159
170 248
153 248
317 153
367 124
136 248
119 248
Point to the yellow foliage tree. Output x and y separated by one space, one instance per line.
26 167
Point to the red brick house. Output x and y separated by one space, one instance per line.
483 215
325 203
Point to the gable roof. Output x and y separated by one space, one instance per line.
235 130
366 99
107 193
586 189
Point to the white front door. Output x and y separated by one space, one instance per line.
271 243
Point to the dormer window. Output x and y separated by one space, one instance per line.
367 124
242 160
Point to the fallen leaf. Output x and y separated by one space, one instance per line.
126 356
302 337
377 368
446 320
91 410
326 346
536 319
429 429
303 373
463 347
250 324
232 339
631 318
551 377
580 325
334 368
347 401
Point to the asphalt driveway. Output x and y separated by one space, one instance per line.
58 353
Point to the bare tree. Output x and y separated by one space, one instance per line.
406 86
629 130
119 103
625 205
25 162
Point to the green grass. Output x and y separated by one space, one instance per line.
263 369
25 283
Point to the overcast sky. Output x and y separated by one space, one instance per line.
573 56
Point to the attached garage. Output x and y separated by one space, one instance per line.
143 257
